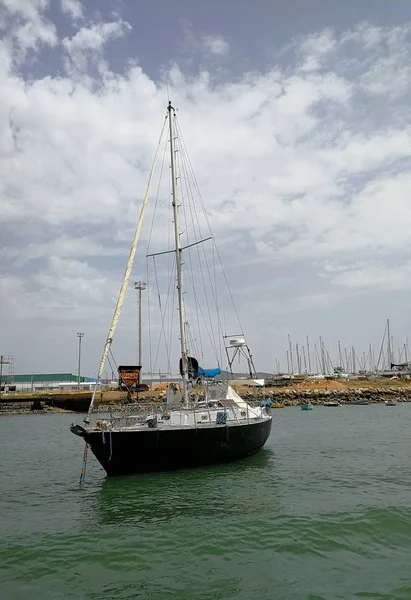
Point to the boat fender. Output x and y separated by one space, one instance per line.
267 403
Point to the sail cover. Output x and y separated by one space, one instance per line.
208 372
192 368
194 371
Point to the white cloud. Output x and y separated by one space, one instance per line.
63 247
205 45
30 29
215 45
73 8
94 37
89 41
34 33
376 277
303 169
314 48
27 9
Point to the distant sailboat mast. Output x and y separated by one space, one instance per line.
389 349
291 355
309 356
322 356
340 359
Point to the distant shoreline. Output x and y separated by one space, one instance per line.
314 392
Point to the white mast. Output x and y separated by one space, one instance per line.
389 349
298 360
340 360
322 355
178 250
291 355
309 356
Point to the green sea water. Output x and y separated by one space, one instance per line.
323 512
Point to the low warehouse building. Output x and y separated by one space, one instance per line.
48 381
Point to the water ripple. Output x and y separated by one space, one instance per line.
322 513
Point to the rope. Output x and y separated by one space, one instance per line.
110 410
111 444
83 469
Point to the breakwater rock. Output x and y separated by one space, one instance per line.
291 397
32 407
288 396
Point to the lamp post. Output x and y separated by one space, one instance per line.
80 336
139 286
3 361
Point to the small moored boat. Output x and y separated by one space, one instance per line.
357 403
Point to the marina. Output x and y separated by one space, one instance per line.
205 250
353 393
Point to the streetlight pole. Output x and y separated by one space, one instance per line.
3 361
79 335
139 286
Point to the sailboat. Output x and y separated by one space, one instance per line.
199 424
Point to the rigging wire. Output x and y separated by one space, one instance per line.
208 225
180 165
219 325
162 316
196 225
110 364
205 305
149 318
186 170
156 208
195 222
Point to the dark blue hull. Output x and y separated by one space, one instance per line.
142 451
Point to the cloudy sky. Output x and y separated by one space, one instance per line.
297 117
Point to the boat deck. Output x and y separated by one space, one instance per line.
137 418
